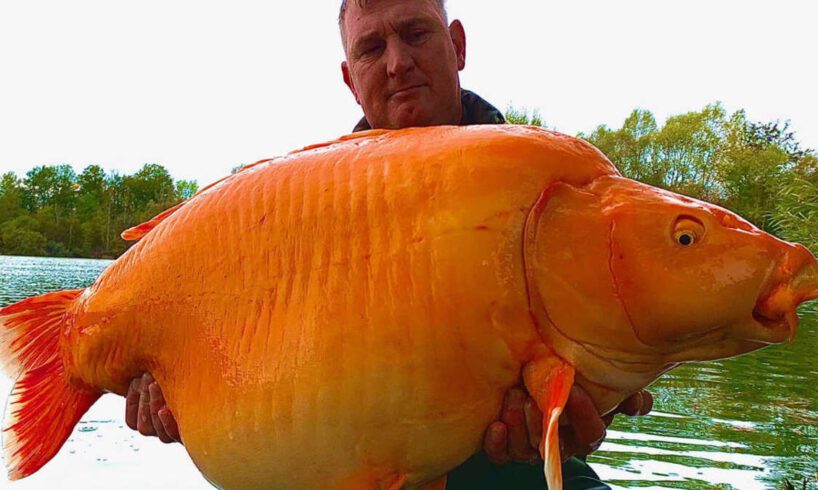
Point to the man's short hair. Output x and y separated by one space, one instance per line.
362 3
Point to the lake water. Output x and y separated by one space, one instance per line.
741 424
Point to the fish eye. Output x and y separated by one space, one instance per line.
685 238
687 231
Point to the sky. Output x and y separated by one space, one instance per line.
202 86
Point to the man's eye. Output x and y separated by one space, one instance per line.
416 35
369 50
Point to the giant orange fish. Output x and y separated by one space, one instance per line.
351 315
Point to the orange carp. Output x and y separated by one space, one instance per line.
351 315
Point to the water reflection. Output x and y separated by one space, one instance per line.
743 423
21 277
101 453
748 422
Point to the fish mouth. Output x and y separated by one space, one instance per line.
776 310
778 326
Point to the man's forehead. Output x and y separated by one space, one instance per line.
363 19
363 4
359 11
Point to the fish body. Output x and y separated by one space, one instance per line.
351 315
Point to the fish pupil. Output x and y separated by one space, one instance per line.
685 239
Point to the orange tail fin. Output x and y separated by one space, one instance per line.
43 407
549 382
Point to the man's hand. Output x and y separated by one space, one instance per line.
516 436
146 411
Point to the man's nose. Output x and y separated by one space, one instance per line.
399 59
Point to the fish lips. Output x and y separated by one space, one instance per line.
775 328
776 310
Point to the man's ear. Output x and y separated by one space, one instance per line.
348 81
458 35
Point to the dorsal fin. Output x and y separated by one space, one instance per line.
139 231
372 133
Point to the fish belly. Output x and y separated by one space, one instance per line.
379 365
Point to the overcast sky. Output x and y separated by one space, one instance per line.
203 86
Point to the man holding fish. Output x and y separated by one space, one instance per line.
402 64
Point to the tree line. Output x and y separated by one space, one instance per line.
757 169
54 211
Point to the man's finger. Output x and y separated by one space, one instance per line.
632 405
495 443
647 402
132 403
519 448
568 443
585 421
534 423
157 403
637 404
144 423
170 424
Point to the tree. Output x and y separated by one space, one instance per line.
752 170
688 149
81 215
19 237
521 116
631 147
185 189
11 197
795 215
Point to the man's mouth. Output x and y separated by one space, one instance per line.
406 90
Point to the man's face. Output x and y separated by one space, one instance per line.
402 63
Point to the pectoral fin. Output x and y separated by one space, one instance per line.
549 380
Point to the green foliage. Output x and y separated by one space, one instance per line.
11 196
521 116
631 147
756 169
20 237
53 211
796 211
186 188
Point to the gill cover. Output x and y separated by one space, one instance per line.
567 253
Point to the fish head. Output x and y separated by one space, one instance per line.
643 277
698 280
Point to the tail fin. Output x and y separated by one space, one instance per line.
43 408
